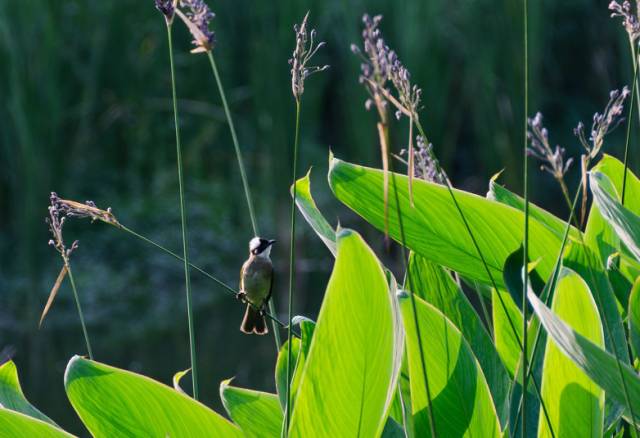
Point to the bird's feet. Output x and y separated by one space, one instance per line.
242 296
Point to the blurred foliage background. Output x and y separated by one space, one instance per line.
85 110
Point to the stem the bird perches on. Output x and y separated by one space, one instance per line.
76 297
183 219
243 174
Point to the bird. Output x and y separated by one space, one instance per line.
256 285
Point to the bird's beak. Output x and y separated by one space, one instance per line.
271 242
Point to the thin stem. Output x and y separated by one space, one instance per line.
485 265
79 307
292 266
634 91
243 174
525 245
183 219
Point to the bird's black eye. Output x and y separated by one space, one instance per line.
254 251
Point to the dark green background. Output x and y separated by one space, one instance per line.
85 110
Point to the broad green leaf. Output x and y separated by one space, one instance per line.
298 358
634 318
597 363
11 395
624 221
460 397
575 404
15 424
309 210
434 228
257 413
585 263
115 402
506 318
552 222
392 430
350 376
435 285
614 170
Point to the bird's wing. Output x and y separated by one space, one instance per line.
270 286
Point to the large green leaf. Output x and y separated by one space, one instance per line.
433 284
434 229
552 222
624 221
597 363
634 318
299 355
461 401
575 404
506 318
115 402
309 210
15 424
257 413
11 395
351 371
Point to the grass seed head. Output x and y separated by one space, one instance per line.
305 49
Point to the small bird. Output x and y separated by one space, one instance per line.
256 284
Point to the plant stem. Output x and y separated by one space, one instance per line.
185 243
79 307
634 92
243 174
525 245
292 265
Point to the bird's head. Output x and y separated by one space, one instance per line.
260 247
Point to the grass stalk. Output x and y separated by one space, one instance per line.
76 297
183 219
243 173
634 92
292 266
525 244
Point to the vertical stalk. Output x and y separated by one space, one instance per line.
634 91
80 314
292 266
243 174
525 245
185 243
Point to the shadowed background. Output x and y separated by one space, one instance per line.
85 110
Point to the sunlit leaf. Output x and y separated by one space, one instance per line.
350 376
634 318
15 424
11 395
575 404
461 401
115 402
257 413
176 380
434 229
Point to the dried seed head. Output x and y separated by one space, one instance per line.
56 220
374 69
629 18
198 17
552 159
302 54
603 123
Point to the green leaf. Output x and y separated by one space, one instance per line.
115 402
505 319
176 380
461 401
551 222
257 413
622 220
350 376
309 210
597 363
16 424
433 284
302 345
11 395
634 318
434 229
575 404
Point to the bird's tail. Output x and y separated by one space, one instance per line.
253 322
